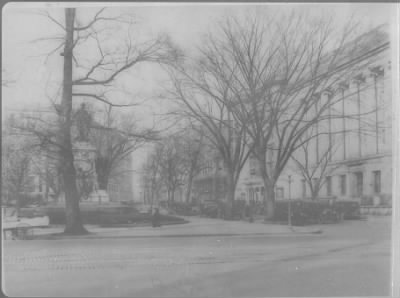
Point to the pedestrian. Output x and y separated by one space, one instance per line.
155 220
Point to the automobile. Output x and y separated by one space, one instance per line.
298 212
349 209
209 208
195 210
307 212
321 211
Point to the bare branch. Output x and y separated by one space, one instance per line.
102 99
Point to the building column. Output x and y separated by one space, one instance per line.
343 86
377 71
358 80
329 94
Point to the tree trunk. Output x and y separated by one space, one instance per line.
315 191
172 195
18 203
230 196
189 188
269 199
102 180
73 223
102 165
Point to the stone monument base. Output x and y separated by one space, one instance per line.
100 196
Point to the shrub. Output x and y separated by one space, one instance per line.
306 212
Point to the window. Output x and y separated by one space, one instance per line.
303 188
377 181
359 183
328 185
343 185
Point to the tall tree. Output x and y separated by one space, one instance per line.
206 106
72 212
95 76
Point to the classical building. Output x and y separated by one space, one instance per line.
357 144
351 158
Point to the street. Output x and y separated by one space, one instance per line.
351 258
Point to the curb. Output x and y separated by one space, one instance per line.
60 236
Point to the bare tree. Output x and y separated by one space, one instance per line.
16 159
193 143
276 75
171 165
151 179
94 78
207 106
314 168
115 138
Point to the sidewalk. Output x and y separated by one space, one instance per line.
197 227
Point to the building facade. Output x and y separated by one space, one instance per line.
351 155
356 143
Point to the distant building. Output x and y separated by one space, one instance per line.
42 181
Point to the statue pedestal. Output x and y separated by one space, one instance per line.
99 196
84 155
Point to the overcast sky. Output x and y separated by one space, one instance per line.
37 78
185 22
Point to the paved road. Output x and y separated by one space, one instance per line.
350 258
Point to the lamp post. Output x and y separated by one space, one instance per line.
289 202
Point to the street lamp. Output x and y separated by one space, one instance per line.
289 202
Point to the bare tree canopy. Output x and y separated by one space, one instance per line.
275 76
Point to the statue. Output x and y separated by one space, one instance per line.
83 121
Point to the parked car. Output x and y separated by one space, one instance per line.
209 208
349 209
307 212
298 212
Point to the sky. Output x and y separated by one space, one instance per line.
36 77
